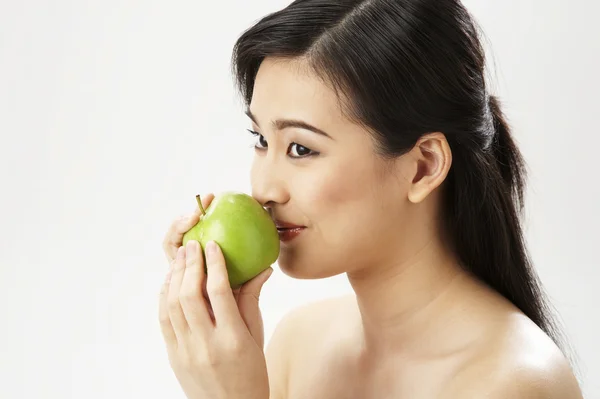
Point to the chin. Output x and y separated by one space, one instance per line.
301 267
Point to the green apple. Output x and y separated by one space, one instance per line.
243 229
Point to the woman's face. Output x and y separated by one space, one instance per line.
352 204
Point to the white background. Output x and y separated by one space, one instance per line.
114 114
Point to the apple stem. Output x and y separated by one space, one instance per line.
199 200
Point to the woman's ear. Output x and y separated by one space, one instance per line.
432 159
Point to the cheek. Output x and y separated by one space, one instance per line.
353 217
331 191
344 205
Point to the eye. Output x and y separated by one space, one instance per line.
300 151
262 142
295 150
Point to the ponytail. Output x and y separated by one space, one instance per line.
483 203
506 154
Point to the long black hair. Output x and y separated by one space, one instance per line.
406 68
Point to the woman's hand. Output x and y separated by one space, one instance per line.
214 336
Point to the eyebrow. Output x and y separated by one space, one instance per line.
281 124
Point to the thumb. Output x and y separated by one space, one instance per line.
248 297
253 287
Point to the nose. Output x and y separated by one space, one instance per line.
269 186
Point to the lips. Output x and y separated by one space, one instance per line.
281 225
288 231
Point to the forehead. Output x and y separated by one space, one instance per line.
289 89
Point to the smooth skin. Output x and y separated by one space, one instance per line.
416 326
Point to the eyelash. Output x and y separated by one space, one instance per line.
310 154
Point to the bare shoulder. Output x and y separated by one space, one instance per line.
518 362
303 322
300 331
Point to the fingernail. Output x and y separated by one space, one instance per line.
211 248
191 248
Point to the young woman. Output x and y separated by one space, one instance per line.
381 154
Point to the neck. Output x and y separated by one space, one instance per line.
398 299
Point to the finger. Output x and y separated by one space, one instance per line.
207 299
175 311
236 293
195 307
253 288
163 310
174 237
219 289
248 305
206 200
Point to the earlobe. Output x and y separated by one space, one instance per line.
433 159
